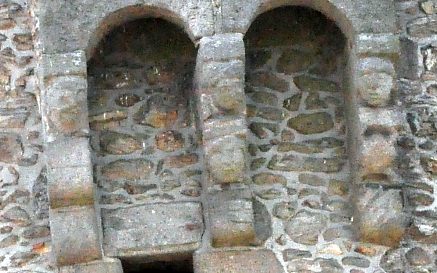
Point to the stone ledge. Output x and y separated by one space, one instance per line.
102 266
237 261
75 235
152 230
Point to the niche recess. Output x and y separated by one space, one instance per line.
143 136
295 111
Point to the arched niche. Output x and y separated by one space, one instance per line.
143 135
296 95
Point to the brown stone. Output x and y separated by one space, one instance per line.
305 227
269 80
131 170
169 141
105 120
311 123
181 161
377 155
119 144
292 61
7 23
11 150
23 41
158 119
309 84
292 103
293 163
269 178
127 100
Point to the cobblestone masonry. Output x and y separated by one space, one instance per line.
334 172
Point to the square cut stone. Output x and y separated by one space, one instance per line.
102 266
232 218
237 261
221 47
152 230
70 187
68 152
75 235
73 63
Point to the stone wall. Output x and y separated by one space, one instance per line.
24 224
143 133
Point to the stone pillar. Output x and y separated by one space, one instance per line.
222 115
74 224
379 217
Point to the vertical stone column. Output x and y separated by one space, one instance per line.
221 108
379 217
73 216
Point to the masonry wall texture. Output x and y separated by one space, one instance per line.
227 136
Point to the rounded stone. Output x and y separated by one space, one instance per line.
417 256
127 100
169 141
356 261
119 144
130 170
308 124
269 178
305 227
284 210
292 61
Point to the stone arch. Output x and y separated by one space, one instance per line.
131 13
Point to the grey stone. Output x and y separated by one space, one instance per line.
356 261
129 170
302 164
106 265
305 227
11 150
237 261
418 257
149 230
422 27
64 233
119 144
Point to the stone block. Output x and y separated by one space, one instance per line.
152 230
376 44
385 121
375 81
410 65
70 187
11 148
377 155
75 236
102 266
232 218
221 47
226 159
65 106
220 127
237 261
379 217
63 64
213 73
68 152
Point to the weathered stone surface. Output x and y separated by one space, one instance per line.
119 144
377 155
133 169
70 187
269 80
292 61
237 261
302 164
106 120
127 100
261 130
265 98
11 150
169 141
309 84
16 215
106 265
356 261
232 218
418 257
311 179
429 7
181 161
422 27
64 233
152 230
269 178
380 218
284 210
305 265
305 227
294 254
311 123
226 160
292 103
